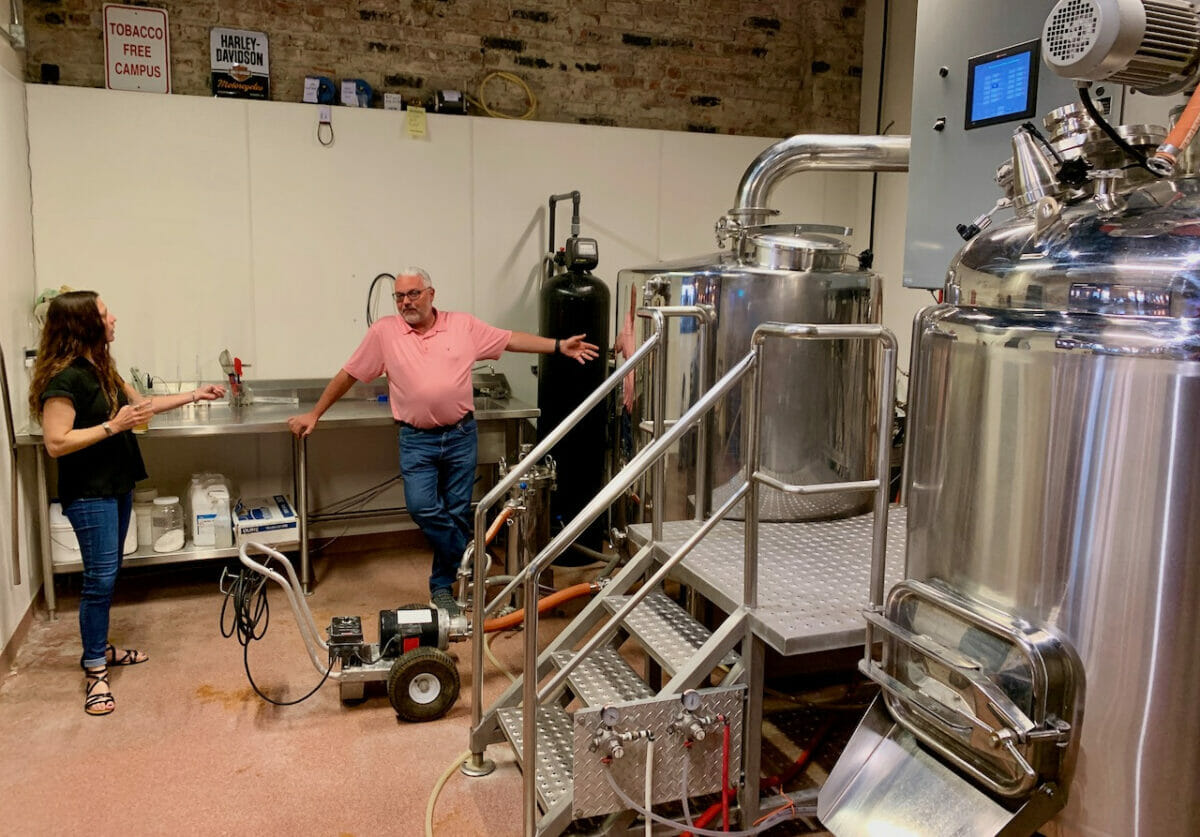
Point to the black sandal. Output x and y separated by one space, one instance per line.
127 658
92 701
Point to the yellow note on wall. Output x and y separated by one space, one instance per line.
416 121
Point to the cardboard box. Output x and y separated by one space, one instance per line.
266 520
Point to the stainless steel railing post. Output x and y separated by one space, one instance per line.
658 474
753 410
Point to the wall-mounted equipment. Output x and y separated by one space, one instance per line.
449 101
978 59
1002 85
356 93
319 90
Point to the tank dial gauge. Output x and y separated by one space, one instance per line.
691 700
610 715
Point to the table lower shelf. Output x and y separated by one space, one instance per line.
150 558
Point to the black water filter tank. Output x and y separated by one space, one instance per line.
574 302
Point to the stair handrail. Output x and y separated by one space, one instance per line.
623 479
654 344
751 363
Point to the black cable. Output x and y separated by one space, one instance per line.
244 624
1032 129
382 652
371 293
362 497
879 116
1088 105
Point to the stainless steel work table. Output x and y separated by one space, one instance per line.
221 419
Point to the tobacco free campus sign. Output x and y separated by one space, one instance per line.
137 49
240 64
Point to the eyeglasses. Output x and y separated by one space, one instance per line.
411 296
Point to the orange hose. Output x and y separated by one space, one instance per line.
556 598
492 531
1183 131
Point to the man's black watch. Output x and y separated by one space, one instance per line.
557 341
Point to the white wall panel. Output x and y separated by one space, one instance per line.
327 220
143 198
210 224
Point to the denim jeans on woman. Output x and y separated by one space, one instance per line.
100 524
438 468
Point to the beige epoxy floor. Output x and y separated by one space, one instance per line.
190 747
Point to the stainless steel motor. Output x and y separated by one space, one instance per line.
817 425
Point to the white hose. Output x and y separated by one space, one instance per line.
687 813
649 784
770 821
437 788
487 649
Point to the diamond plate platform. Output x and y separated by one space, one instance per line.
555 750
669 633
814 577
603 677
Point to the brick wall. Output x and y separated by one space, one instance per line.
762 67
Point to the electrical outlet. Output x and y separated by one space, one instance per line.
324 113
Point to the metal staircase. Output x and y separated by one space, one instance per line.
597 727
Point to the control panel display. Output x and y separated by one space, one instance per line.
1002 85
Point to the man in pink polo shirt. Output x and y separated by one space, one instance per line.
428 355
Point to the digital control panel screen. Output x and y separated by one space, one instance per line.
1002 85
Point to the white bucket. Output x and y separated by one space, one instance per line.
64 546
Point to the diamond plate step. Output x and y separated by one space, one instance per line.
555 750
603 677
669 633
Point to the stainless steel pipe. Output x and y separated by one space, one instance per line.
814 152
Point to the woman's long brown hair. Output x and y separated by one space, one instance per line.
74 329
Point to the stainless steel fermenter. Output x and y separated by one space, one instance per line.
1043 644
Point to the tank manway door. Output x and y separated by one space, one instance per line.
972 733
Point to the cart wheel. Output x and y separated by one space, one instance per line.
423 684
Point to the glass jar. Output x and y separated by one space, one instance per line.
167 525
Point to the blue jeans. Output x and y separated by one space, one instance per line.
439 476
100 524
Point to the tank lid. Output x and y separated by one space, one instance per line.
800 247
811 241
1139 256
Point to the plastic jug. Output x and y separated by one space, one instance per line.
209 510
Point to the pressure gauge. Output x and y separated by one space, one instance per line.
691 700
610 715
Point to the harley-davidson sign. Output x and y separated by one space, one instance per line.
240 65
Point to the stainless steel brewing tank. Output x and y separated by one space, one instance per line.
1055 475
818 410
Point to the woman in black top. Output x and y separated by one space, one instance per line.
85 409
